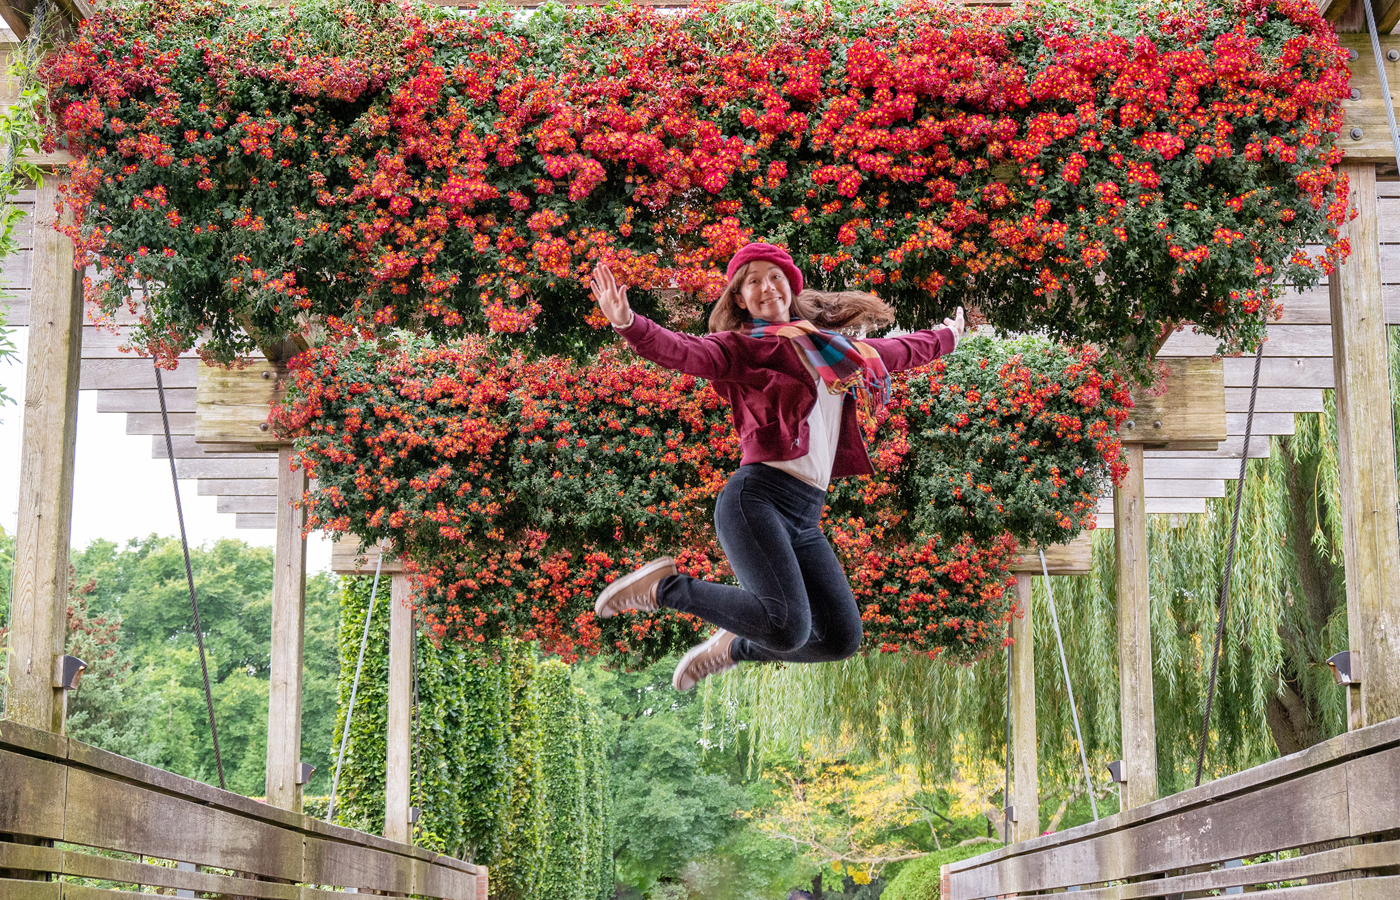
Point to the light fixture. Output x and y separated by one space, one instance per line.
304 773
1115 771
67 672
413 813
1341 664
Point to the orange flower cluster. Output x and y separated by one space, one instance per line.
515 489
1098 178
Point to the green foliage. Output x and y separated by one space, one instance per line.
509 763
919 879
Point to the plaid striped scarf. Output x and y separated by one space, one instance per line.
843 364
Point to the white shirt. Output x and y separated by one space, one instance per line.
823 431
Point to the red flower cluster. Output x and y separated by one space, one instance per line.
515 489
1100 179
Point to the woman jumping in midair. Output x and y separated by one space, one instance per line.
775 355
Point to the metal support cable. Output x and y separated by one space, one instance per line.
1069 689
1223 603
189 575
355 685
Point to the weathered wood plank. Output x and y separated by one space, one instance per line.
1153 506
31 796
1072 558
445 880
73 862
349 865
1366 459
149 423
349 558
187 448
116 815
1368 112
398 765
1284 340
1156 487
259 469
1288 372
237 487
233 404
1134 634
178 400
134 373
18 889
288 638
1187 406
1274 400
1374 785
255 521
246 504
1312 307
49 438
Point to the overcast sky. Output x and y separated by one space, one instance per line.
119 491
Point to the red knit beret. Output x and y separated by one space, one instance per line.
760 252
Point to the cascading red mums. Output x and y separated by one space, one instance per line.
516 489
1101 176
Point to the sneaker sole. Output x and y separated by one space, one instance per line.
617 586
688 658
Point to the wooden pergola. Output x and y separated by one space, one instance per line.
1183 448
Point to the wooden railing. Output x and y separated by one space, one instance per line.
1322 823
107 824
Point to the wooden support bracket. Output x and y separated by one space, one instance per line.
1184 411
1365 133
1073 558
232 405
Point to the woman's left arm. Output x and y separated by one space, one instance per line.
909 351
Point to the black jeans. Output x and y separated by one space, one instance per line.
794 604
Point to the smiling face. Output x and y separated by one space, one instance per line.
764 291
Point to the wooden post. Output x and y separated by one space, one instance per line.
50 429
288 640
1025 797
1134 635
1366 460
399 762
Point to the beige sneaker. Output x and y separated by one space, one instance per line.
634 591
710 658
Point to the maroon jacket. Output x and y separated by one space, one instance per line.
768 388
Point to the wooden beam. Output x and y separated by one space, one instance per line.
288 640
1135 635
1153 487
1366 459
247 504
1289 372
348 557
1072 558
134 373
259 469
237 487
49 436
1274 400
186 448
233 404
1025 795
1284 340
255 521
150 423
398 763
1186 407
179 400
1365 136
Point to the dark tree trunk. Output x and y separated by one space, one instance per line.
1292 714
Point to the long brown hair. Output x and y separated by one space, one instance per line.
847 311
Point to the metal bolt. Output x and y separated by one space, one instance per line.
1130 425
1393 55
1157 424
1357 133
1356 93
1353 55
267 374
262 427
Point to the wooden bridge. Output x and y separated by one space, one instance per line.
1324 823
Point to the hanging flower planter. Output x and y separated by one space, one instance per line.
1095 175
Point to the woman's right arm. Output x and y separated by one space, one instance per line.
702 357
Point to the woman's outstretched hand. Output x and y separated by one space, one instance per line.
957 325
611 297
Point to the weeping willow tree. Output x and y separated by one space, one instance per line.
1275 693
